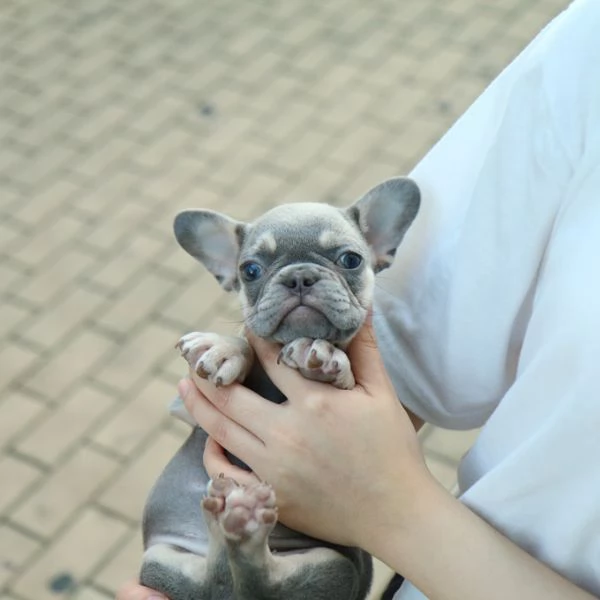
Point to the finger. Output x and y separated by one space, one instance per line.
239 403
217 463
365 358
134 591
285 378
225 430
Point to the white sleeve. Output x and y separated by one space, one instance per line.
492 312
452 313
533 472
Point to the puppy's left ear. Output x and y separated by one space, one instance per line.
384 214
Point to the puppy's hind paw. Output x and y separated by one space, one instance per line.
242 514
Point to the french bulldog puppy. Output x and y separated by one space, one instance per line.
305 276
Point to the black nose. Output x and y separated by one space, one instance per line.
299 281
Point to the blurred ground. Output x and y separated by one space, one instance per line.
114 115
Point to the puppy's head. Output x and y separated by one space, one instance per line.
304 270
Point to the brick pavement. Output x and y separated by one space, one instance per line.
113 116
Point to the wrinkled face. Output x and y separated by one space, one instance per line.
304 270
305 273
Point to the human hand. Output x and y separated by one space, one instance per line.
344 464
134 591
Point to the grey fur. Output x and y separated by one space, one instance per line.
303 291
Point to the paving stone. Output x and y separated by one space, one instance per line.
72 556
11 275
61 318
68 488
128 264
54 276
136 357
12 317
356 144
123 565
114 231
136 305
15 360
194 299
136 418
178 263
105 197
47 238
10 237
45 206
16 476
65 426
53 376
15 550
127 494
17 413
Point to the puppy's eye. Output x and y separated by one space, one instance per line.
251 271
350 260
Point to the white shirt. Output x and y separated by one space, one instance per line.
490 314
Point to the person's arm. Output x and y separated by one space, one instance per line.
347 467
450 553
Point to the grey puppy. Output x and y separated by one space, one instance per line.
305 276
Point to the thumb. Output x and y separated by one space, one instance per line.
366 361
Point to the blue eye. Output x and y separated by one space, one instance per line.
251 271
350 260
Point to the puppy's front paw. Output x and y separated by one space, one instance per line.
240 514
220 359
318 360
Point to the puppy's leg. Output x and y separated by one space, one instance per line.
319 360
246 516
181 575
183 560
221 359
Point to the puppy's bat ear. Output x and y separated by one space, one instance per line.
384 214
213 239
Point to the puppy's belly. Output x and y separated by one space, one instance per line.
173 514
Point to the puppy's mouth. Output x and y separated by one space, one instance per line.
301 315
301 318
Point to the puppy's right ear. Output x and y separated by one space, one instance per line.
213 239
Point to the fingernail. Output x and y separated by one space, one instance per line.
183 387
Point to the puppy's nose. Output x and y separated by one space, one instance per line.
299 281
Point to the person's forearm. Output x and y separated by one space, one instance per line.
450 553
